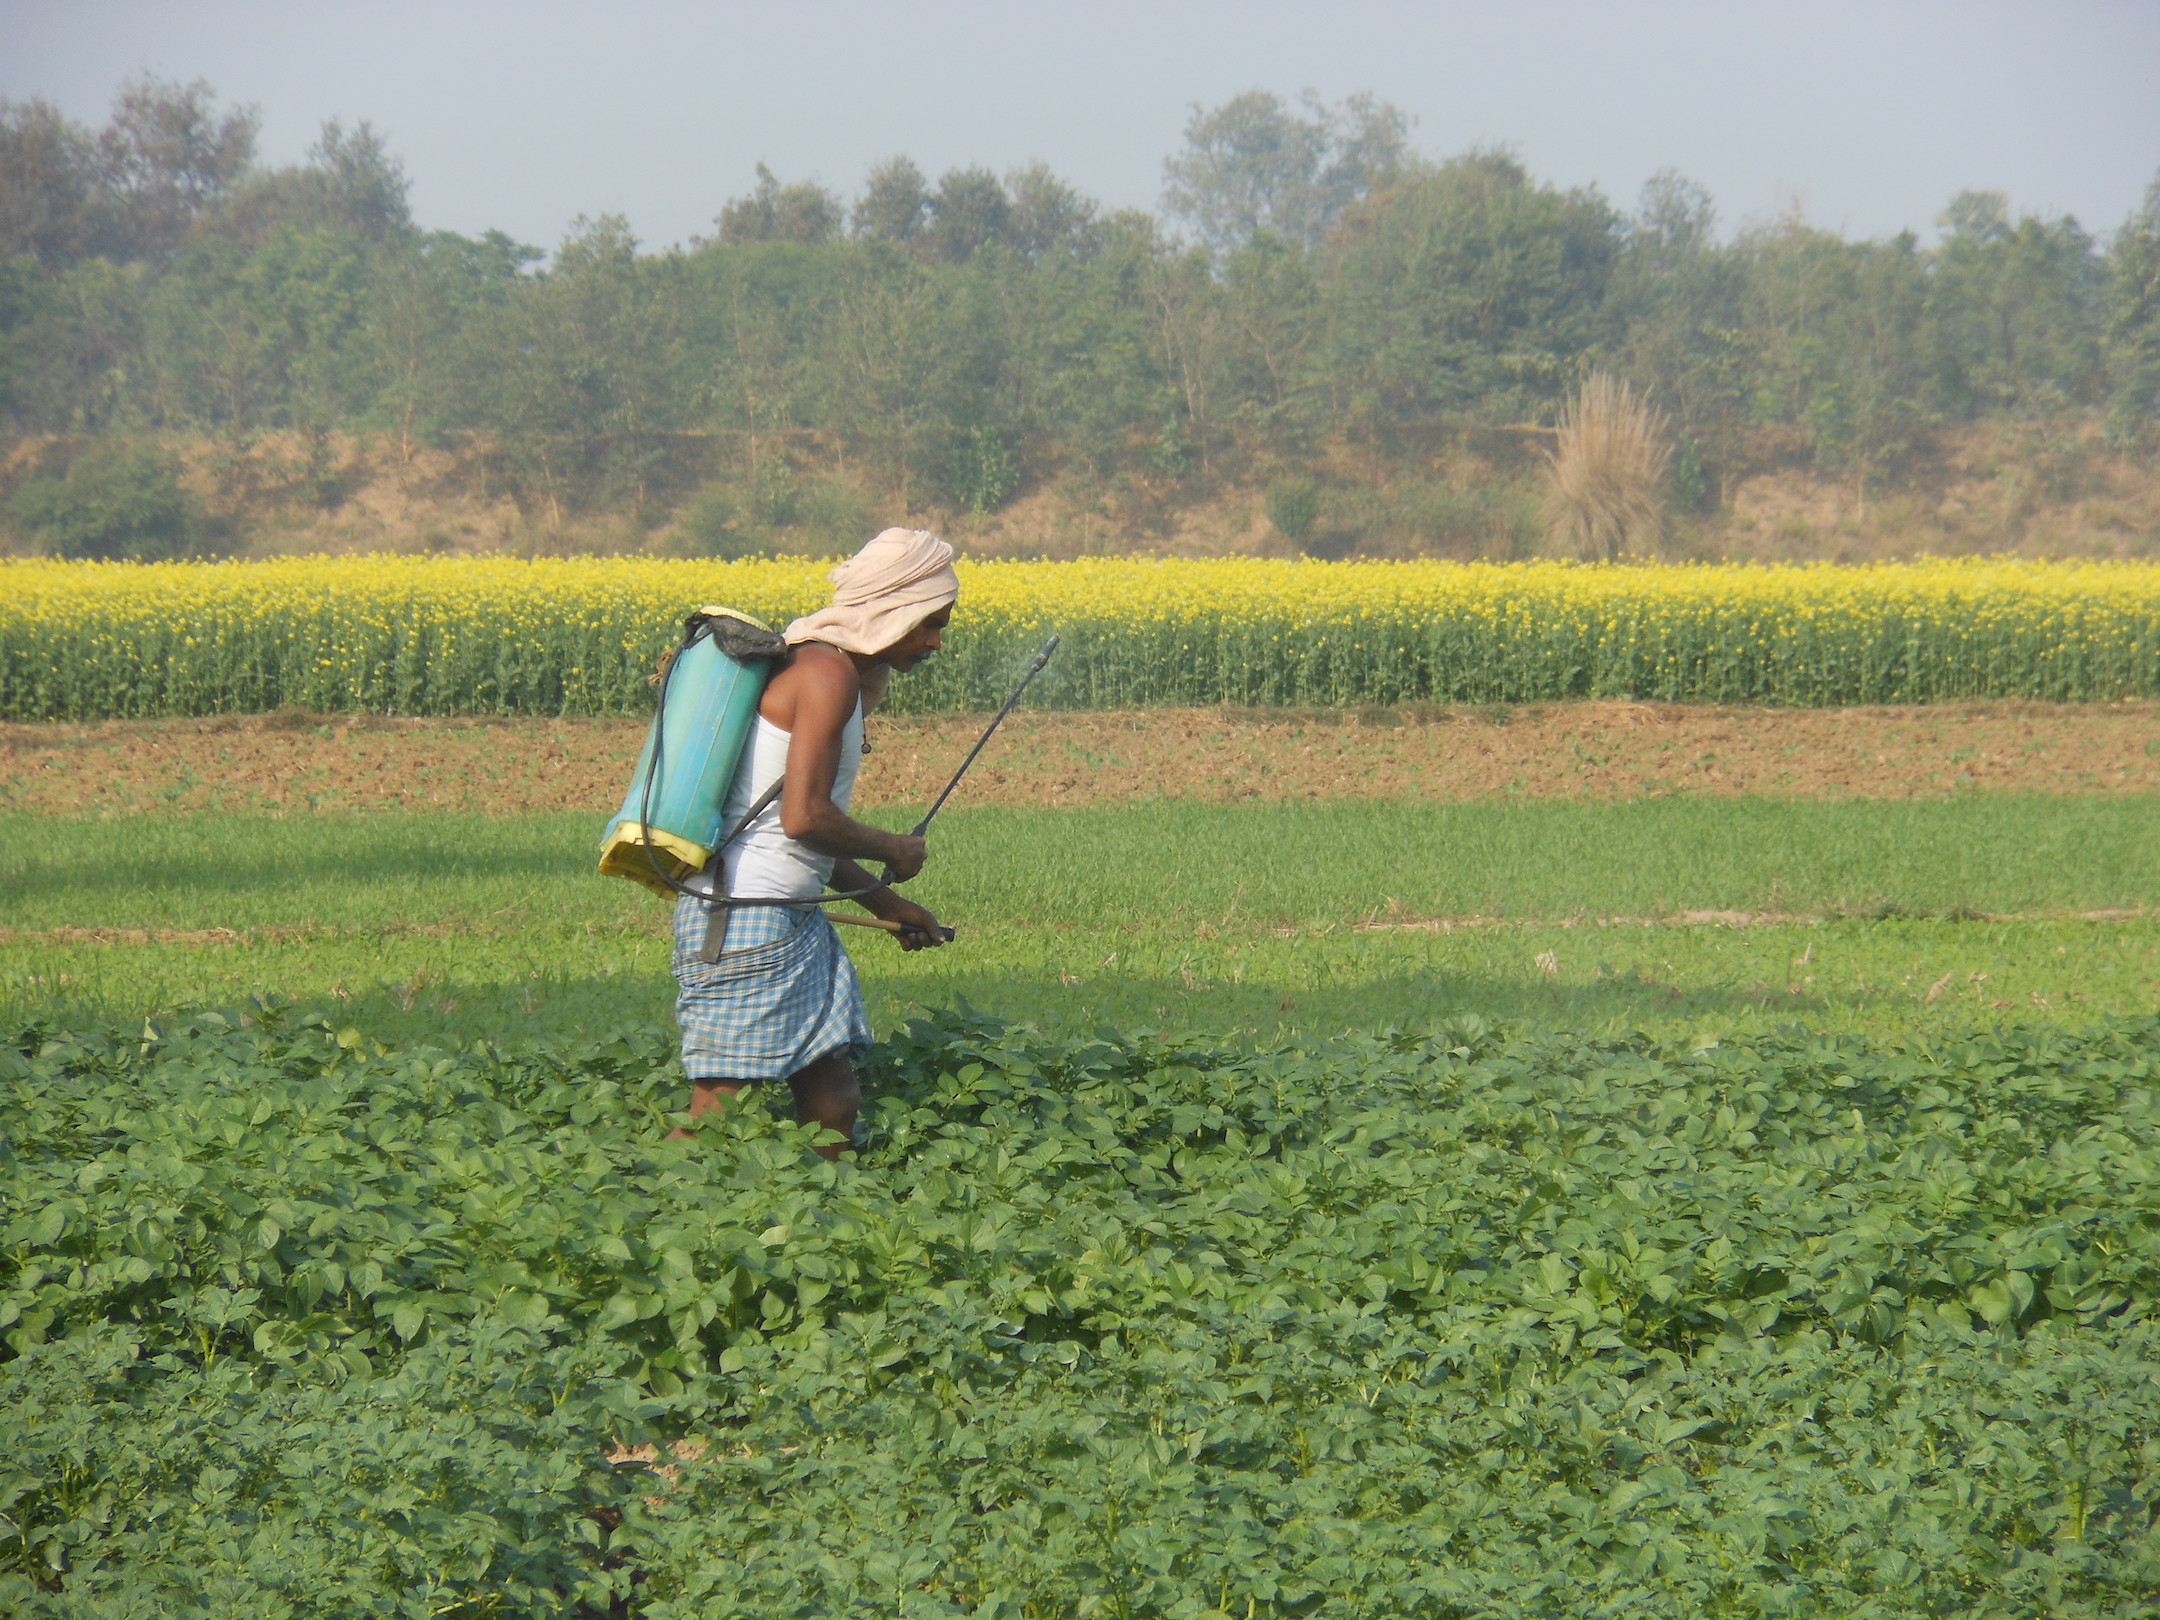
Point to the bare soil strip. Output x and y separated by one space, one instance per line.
302 763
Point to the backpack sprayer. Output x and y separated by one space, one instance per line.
669 827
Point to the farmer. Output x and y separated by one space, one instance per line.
779 1000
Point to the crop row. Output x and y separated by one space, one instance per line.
407 636
1464 1322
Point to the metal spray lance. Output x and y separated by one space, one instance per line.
1034 669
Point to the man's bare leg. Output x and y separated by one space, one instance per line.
826 1094
707 1097
825 1091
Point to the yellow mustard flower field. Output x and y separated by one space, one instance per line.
403 635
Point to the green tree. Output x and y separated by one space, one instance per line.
895 383
1294 507
1877 405
968 213
802 212
75 348
1466 292
429 297
1253 164
1269 298
955 343
48 182
895 202
1083 364
1676 307
757 326
167 157
1840 329
237 342
1186 322
577 368
2016 309
2133 322
351 184
1048 216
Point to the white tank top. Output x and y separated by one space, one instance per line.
764 863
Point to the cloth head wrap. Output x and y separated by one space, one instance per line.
882 592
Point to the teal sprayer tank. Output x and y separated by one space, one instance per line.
670 819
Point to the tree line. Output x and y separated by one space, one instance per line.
1315 293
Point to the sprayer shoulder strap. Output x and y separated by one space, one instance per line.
717 907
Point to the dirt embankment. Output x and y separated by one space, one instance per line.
2049 489
286 763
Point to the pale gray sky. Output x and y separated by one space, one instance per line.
523 115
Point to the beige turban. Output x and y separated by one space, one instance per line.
882 592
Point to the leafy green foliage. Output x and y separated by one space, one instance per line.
114 500
984 473
803 212
1294 507
1435 1324
2133 330
1351 296
1253 166
714 524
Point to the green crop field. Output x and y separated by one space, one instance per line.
1935 914
1460 1324
1515 1208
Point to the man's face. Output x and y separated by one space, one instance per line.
920 642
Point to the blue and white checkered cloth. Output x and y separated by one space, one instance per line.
782 997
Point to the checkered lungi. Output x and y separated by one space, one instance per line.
782 997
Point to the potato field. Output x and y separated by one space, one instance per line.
1456 1322
1417 1121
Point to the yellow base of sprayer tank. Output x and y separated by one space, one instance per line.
625 854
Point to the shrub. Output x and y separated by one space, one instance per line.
713 524
115 500
773 493
1690 480
984 473
832 519
1294 507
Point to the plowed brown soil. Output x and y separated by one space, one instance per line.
1589 750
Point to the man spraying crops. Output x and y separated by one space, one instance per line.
776 997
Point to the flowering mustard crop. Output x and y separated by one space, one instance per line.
579 636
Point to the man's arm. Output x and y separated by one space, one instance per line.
822 694
922 927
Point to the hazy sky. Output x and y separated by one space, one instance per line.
524 115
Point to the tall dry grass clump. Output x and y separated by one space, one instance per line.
1606 494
